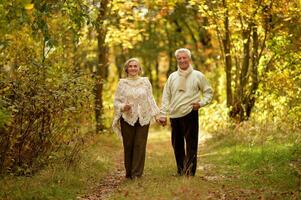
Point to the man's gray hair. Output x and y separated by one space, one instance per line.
187 51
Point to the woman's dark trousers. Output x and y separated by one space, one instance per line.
134 144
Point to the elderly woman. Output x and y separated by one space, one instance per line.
134 106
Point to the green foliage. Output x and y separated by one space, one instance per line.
279 93
4 117
214 117
45 115
47 97
254 31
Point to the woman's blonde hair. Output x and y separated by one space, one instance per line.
126 65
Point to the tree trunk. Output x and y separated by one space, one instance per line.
245 96
228 62
254 73
239 105
102 64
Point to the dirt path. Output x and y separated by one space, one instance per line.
109 183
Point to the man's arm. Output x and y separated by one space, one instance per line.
165 103
207 92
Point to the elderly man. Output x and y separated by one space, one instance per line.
181 101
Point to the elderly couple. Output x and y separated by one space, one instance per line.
135 107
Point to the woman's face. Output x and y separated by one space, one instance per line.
133 68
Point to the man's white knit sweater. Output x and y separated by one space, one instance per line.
176 103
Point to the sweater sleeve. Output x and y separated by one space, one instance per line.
166 98
119 97
154 108
206 90
118 107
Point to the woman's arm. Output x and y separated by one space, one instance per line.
154 108
119 100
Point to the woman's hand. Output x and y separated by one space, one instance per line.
127 107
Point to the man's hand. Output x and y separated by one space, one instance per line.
196 106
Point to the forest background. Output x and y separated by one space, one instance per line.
60 61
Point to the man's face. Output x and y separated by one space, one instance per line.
183 60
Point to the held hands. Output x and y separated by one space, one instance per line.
162 120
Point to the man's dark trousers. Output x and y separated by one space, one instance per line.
185 130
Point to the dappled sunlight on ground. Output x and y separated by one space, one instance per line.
203 136
157 133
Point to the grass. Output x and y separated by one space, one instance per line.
230 166
58 182
270 168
